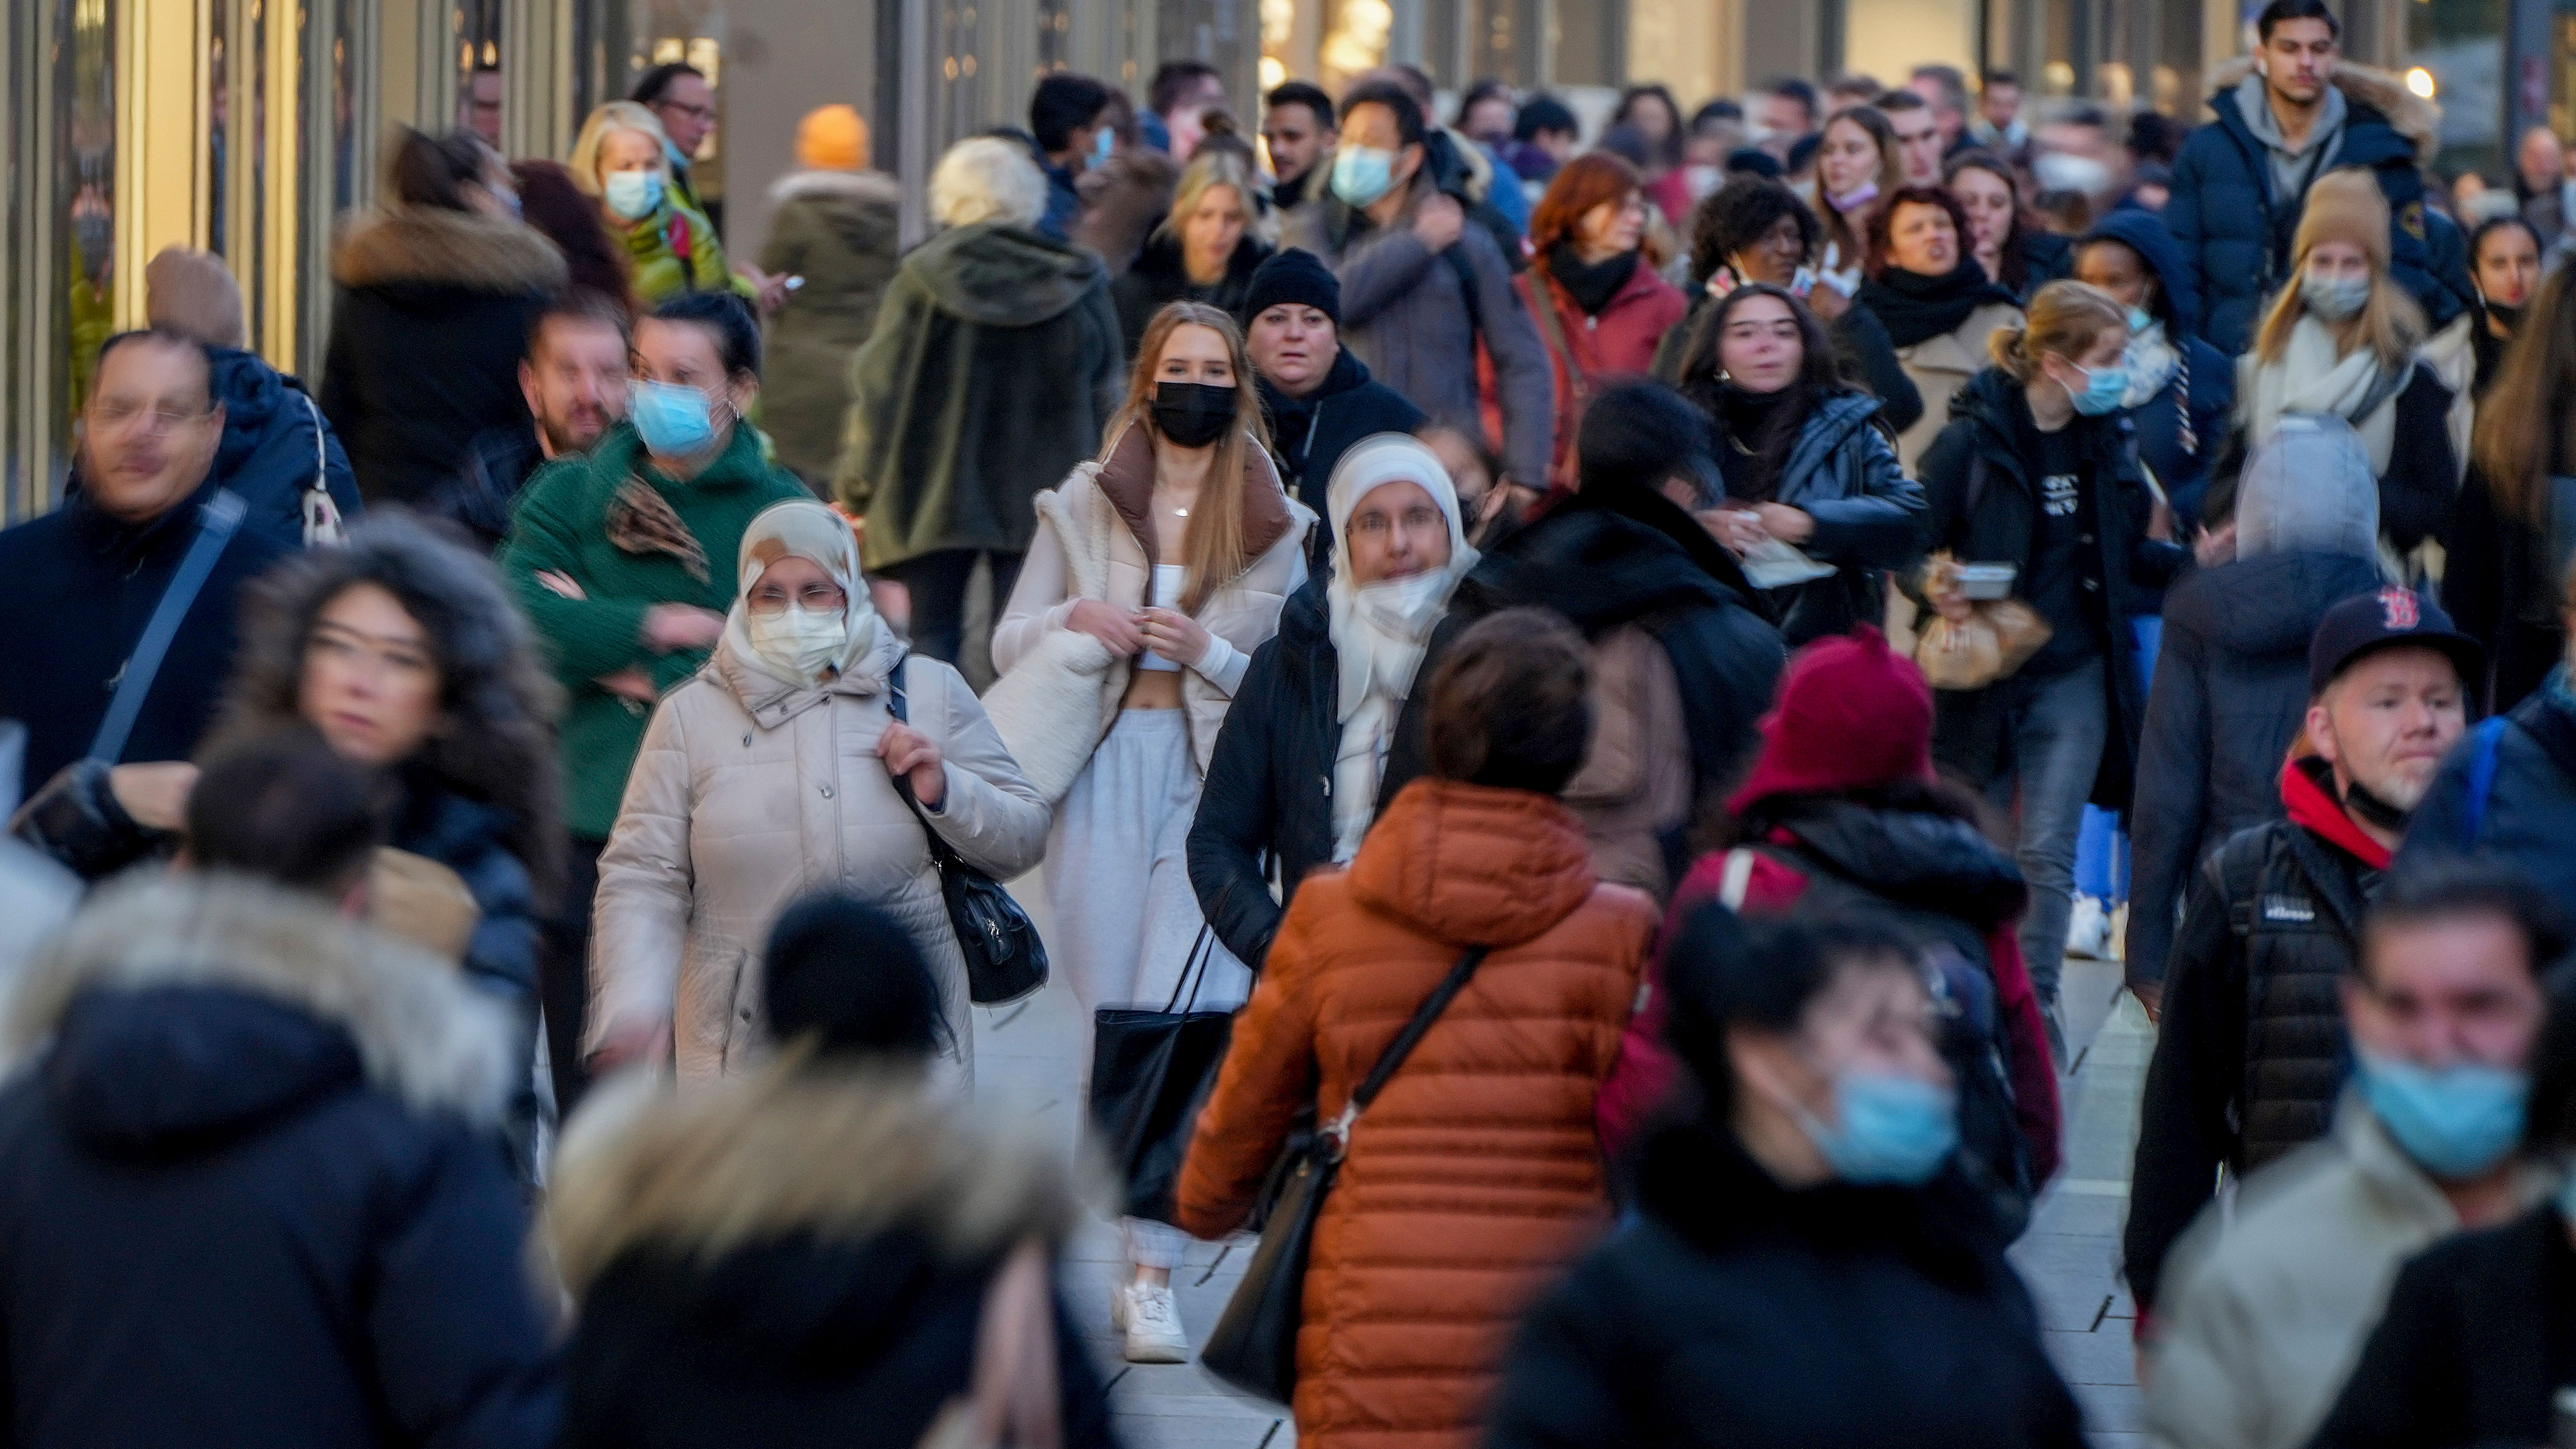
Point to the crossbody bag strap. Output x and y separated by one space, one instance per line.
216 523
322 522
941 853
1403 1045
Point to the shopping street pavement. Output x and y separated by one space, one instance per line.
1031 1054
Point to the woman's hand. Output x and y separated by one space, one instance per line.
633 1041
631 683
1112 626
1787 524
155 795
1738 530
910 754
1176 636
670 628
1828 302
2216 546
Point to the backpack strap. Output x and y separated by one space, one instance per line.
2241 866
1455 255
322 526
2483 743
216 523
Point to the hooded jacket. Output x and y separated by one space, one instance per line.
2251 1050
426 337
739 1283
2529 815
1737 1311
1158 277
276 442
1475 1176
2234 226
2198 400
836 229
994 369
255 1191
2230 697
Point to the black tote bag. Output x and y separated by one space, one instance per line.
1151 1071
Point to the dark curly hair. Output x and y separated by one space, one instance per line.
492 683
1738 214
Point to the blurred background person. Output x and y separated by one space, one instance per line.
1601 306
1299 133
624 561
1127 195
1299 771
1999 125
994 368
1918 136
1816 1169
1180 93
574 382
622 161
432 316
554 204
478 108
1204 251
1316 394
2504 260
1657 118
1544 136
2539 170
872 1304
1783 111
1945 90
1940 308
682 101
1420 1269
1857 168
2013 247
2181 390
1065 119
2512 537
234 1117
693 875
1804 460
2523 815
834 227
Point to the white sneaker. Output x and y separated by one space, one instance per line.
2088 930
1152 1322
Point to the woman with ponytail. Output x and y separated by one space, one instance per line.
2036 472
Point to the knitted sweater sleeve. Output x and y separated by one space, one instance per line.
585 637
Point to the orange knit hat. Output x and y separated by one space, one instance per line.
832 138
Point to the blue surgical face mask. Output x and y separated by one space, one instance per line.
2139 321
633 195
2105 389
1363 174
1102 145
2456 1122
1891 1129
2334 298
674 421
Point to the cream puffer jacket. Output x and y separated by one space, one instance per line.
751 792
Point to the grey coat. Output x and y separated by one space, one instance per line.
836 229
1406 314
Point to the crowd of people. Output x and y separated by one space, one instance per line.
1593 658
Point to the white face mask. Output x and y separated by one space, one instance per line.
801 641
1406 608
2061 171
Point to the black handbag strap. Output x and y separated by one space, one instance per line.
216 522
1202 952
1339 1132
941 853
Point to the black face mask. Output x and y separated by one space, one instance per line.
2370 808
2511 317
1192 414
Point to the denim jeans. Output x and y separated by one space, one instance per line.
937 583
2054 727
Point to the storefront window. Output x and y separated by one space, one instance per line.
2460 44
84 242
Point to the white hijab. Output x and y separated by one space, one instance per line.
810 531
1379 632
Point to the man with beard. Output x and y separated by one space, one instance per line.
2253 1048
574 379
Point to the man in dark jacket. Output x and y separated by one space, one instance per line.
2509 791
2242 179
1064 116
255 1191
1317 394
2252 1052
80 584
575 383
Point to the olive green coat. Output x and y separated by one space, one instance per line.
836 229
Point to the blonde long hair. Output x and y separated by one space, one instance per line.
2524 429
1213 548
2066 318
2389 324
1208 170
615 116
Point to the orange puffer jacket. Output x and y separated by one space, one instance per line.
1477 1175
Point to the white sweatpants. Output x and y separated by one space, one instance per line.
1118 884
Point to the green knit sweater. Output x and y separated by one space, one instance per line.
560 524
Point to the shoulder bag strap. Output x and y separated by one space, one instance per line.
1554 322
1403 1045
216 523
900 707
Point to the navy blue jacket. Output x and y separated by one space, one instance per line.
268 455
2203 391
2529 814
2235 234
76 587
471 838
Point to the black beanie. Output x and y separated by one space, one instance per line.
1636 435
851 977
1294 276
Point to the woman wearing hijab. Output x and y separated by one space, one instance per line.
775 772
1938 304
1601 306
1300 767
2181 389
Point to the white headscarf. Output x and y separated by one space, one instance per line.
1379 631
810 531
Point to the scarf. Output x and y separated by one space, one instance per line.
810 531
2152 362
2312 378
1590 284
1917 308
1756 431
1380 631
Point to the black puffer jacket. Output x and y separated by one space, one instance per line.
472 838
2231 693
1309 435
1158 278
1740 1313
1989 421
2251 1051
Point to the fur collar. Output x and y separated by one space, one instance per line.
1126 479
2410 115
855 185
829 1152
423 1034
438 247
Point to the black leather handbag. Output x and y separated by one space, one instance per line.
1005 960
1151 1071
1254 1346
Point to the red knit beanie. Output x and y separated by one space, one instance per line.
1852 714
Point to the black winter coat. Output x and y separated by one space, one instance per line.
2251 1051
2529 816
79 586
1158 278
1990 420
498 463
426 337
1309 435
2501 588
2230 696
1863 353
275 441
470 838
2479 1335
1737 1313
254 1193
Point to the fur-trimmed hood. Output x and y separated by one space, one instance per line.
435 247
158 1013
2408 114
837 185
823 1154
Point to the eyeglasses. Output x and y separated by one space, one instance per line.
1375 525
694 113
770 602
115 415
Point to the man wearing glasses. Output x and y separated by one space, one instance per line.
678 95
80 585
